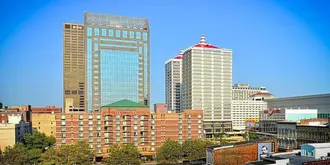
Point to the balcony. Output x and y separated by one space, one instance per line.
108 118
108 123
127 118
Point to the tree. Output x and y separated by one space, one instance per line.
195 149
38 141
50 157
14 155
128 154
75 154
33 155
68 154
170 152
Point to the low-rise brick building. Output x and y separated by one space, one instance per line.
239 153
125 122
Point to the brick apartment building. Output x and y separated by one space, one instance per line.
125 122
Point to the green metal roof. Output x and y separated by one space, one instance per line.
125 104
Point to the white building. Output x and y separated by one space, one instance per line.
248 108
207 84
244 91
173 80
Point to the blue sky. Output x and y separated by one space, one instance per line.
282 45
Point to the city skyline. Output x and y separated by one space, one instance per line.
35 68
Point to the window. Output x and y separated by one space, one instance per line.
104 32
111 32
131 34
96 31
125 34
89 31
145 36
117 33
138 35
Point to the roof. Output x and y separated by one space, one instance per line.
318 145
261 93
125 104
203 44
178 57
115 20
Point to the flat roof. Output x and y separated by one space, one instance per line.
318 145
300 97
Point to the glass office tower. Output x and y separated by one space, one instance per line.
117 59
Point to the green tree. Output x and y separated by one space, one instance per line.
33 155
75 154
38 140
195 149
170 153
128 154
50 157
14 155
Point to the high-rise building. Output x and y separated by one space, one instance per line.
117 54
246 111
173 80
207 84
73 67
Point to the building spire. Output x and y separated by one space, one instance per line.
203 40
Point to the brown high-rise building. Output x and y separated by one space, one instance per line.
73 67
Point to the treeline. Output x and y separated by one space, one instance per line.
173 152
39 149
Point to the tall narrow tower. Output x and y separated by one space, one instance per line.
117 54
173 80
207 84
73 67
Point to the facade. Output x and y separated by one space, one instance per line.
291 134
160 108
244 91
173 81
125 122
207 85
13 131
13 114
248 108
238 153
47 109
319 102
117 59
73 67
44 123
269 118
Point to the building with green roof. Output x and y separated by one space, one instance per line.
125 104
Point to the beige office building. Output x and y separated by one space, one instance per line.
244 91
73 67
207 85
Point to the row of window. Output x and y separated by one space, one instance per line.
116 33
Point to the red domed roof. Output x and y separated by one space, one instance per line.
206 46
178 57
203 44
